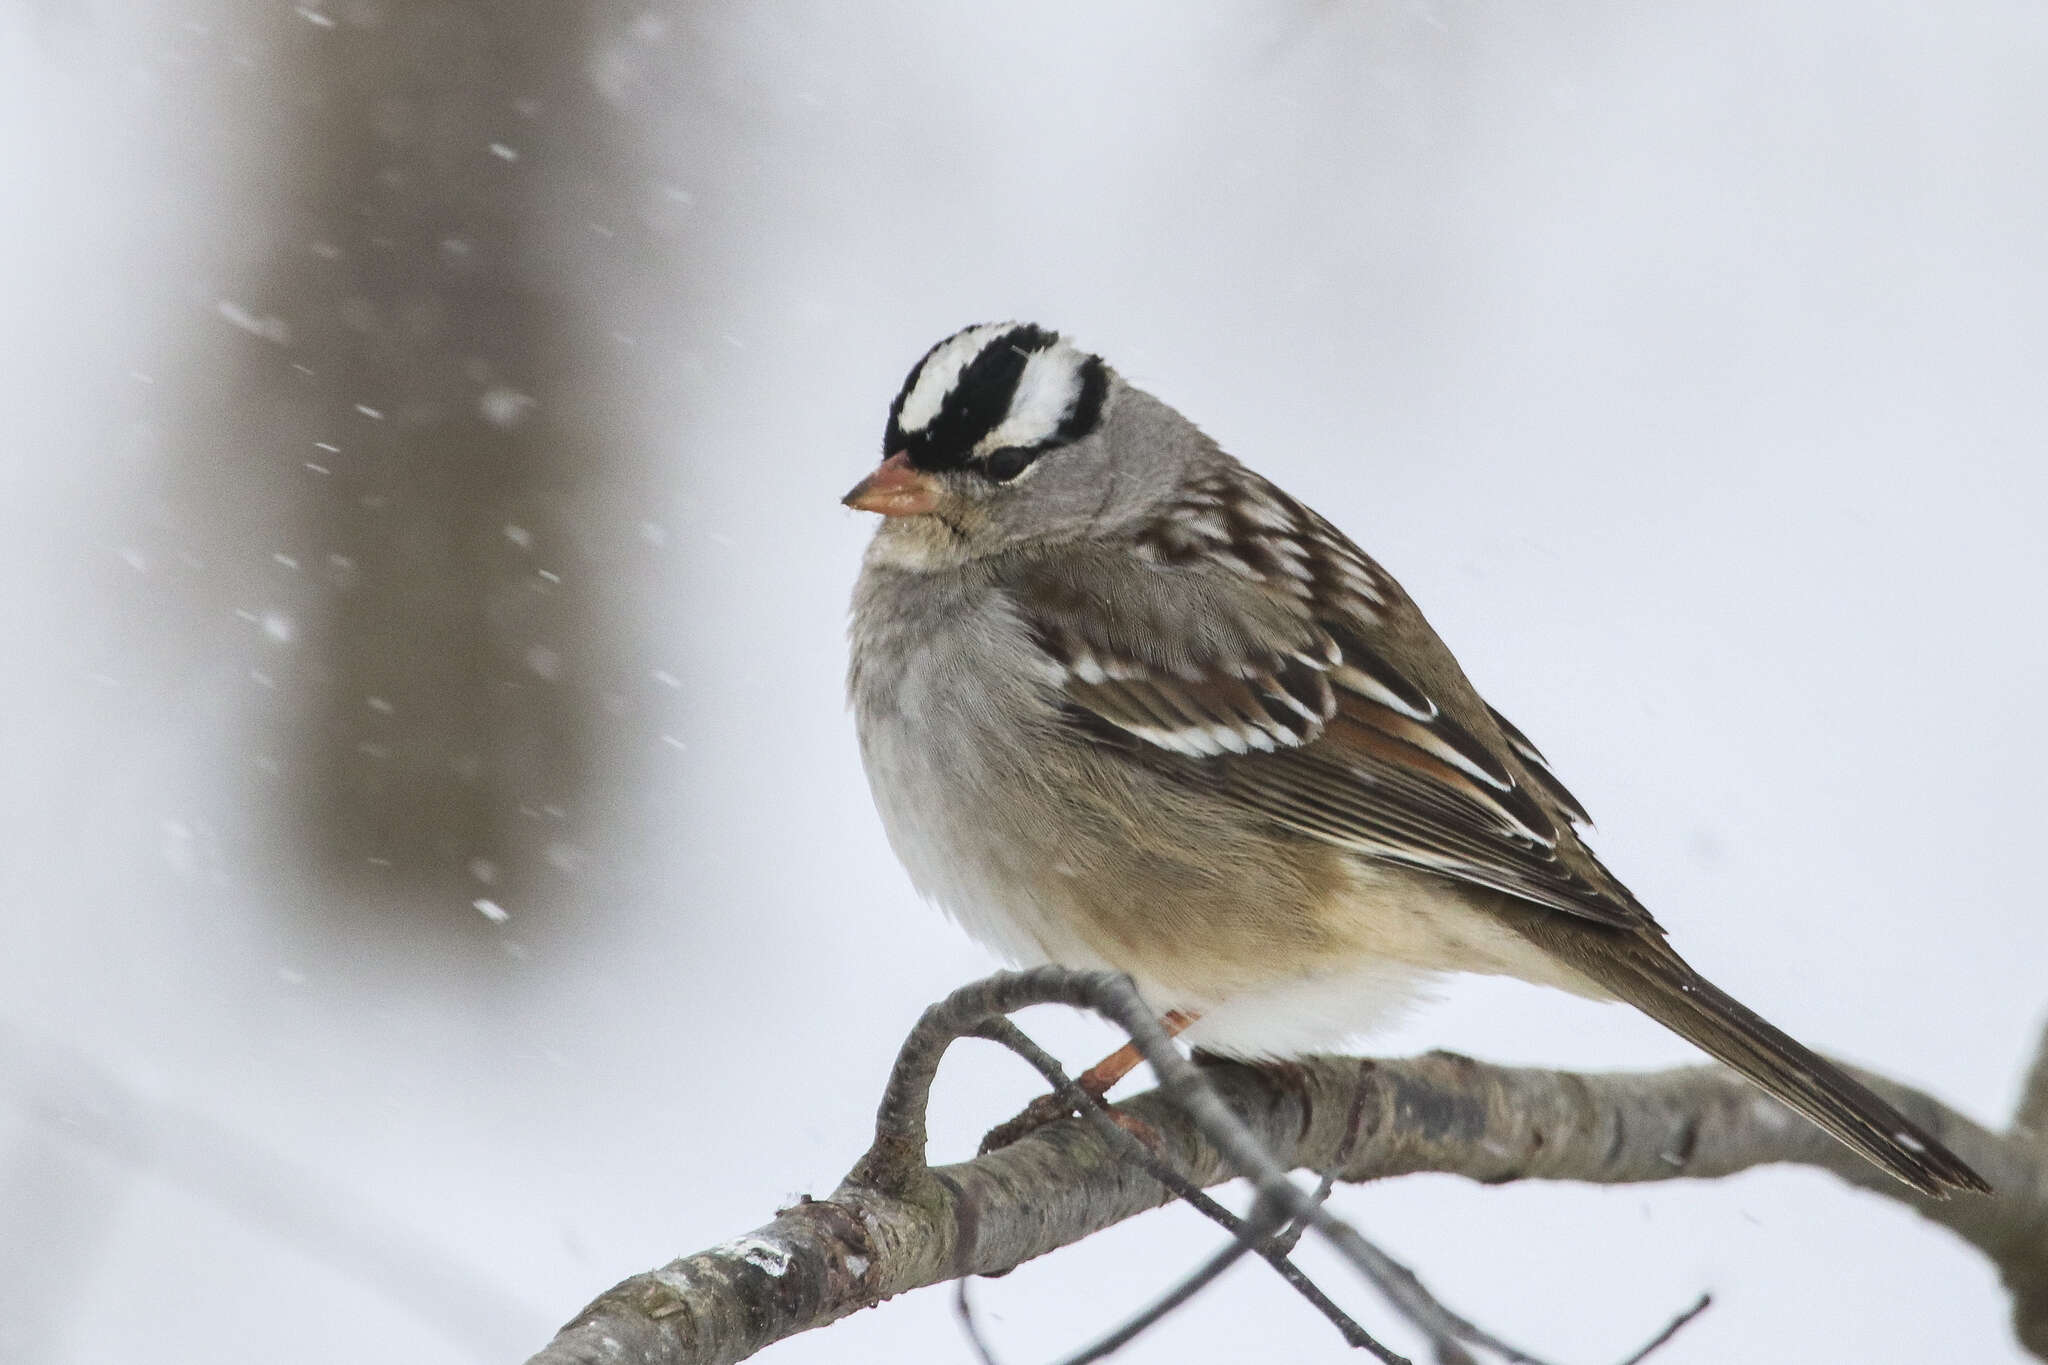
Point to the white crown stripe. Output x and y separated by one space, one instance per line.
1046 392
940 372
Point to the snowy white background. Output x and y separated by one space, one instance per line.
1684 361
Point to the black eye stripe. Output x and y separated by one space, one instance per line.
1006 464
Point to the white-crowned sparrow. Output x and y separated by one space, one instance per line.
1123 703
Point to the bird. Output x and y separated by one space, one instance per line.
1125 704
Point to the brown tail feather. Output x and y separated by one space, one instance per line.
1660 985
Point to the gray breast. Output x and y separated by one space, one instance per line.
957 732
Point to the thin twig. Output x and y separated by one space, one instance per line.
1205 1275
895 1163
1676 1325
964 1310
1112 995
1275 1250
1447 1331
1406 1291
1354 1126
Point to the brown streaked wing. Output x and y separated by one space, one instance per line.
1254 704
1337 744
1540 769
1353 789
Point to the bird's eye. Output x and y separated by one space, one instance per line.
1006 464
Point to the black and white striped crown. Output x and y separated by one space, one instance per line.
1005 387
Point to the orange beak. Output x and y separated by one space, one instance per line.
894 490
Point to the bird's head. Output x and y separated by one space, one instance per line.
1006 435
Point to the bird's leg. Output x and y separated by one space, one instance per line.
1096 1081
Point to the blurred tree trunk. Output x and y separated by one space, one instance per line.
398 421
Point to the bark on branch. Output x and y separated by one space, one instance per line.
895 1225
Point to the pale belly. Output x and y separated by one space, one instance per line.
1262 984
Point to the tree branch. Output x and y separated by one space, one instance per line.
1276 1250
895 1225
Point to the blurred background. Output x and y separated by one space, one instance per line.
437 877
